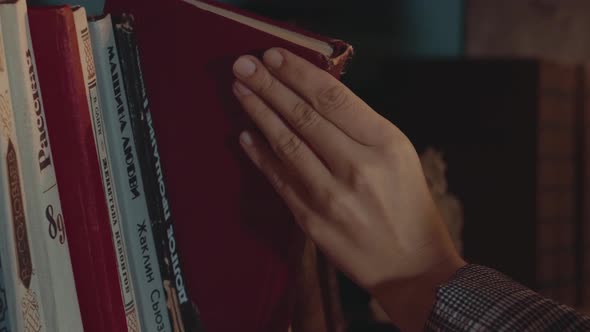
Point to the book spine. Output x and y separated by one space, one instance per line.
45 216
119 239
182 311
128 180
23 289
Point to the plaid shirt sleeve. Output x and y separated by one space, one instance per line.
482 299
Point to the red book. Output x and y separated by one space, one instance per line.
238 242
77 169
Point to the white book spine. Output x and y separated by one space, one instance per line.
19 264
89 72
48 235
151 299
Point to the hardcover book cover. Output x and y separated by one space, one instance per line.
239 244
91 241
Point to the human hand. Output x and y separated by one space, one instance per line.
351 178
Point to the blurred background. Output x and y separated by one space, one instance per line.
494 93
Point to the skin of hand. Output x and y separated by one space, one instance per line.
352 180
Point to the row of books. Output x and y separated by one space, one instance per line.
74 111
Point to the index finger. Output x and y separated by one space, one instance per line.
332 99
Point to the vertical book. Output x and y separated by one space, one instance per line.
22 289
127 272
97 267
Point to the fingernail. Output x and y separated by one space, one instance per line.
246 138
273 58
244 67
241 90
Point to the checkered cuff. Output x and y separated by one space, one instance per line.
482 299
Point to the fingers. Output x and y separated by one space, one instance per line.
287 146
325 138
276 173
334 101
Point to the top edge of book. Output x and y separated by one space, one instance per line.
97 18
294 37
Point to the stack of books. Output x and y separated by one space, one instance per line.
87 241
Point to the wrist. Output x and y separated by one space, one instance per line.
409 302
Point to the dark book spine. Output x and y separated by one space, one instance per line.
183 313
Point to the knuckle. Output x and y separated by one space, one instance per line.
364 175
333 203
304 116
397 148
276 182
266 84
262 164
332 98
360 177
258 109
289 147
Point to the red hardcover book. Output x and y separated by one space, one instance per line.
77 169
237 240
